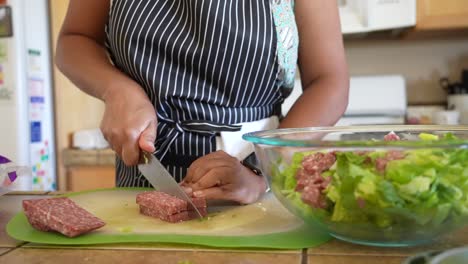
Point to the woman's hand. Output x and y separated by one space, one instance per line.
221 176
129 123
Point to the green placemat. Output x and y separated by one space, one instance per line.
301 237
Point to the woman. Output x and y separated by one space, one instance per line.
178 76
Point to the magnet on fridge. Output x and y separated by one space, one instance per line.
2 77
36 133
37 99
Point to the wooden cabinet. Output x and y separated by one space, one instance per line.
82 178
89 169
442 14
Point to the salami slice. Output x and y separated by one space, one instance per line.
175 218
167 207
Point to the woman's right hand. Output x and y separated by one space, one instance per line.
129 123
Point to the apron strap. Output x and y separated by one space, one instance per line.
202 127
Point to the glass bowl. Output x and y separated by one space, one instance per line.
372 185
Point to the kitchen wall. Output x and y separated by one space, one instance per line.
74 109
421 62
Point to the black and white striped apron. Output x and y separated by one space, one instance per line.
205 65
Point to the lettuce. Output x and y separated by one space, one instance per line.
426 188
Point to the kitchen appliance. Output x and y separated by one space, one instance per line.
89 139
422 114
360 16
448 117
459 102
457 96
373 100
26 105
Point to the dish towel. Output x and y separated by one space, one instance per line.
232 142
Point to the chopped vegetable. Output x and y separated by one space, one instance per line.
425 187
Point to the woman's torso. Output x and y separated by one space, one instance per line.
204 64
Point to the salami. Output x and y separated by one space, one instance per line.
174 218
318 162
391 137
61 215
169 208
310 182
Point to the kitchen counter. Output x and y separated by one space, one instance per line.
82 167
333 252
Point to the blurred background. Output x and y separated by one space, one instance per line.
407 60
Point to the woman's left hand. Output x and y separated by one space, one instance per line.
221 176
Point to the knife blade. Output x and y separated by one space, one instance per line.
162 180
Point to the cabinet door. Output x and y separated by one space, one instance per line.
82 178
442 14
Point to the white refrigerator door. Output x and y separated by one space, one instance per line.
14 136
27 128
39 90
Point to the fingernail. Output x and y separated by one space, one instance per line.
198 194
187 189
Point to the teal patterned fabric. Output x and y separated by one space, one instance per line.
288 41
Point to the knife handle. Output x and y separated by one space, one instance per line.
251 163
144 157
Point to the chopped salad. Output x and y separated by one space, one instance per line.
382 188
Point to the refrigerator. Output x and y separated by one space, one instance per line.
26 97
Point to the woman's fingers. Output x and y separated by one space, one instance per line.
201 166
214 193
212 178
148 137
129 121
130 151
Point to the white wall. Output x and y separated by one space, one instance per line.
421 62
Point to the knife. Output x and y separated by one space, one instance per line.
162 180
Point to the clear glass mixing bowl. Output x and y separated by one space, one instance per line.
406 190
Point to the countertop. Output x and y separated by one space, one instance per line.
333 252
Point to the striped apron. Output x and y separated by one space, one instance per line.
206 65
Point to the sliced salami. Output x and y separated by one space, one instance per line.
167 207
175 218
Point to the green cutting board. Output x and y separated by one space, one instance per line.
266 224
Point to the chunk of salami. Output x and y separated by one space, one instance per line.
199 202
169 208
174 218
163 202
318 162
166 203
391 137
61 215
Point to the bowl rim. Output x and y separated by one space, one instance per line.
272 137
